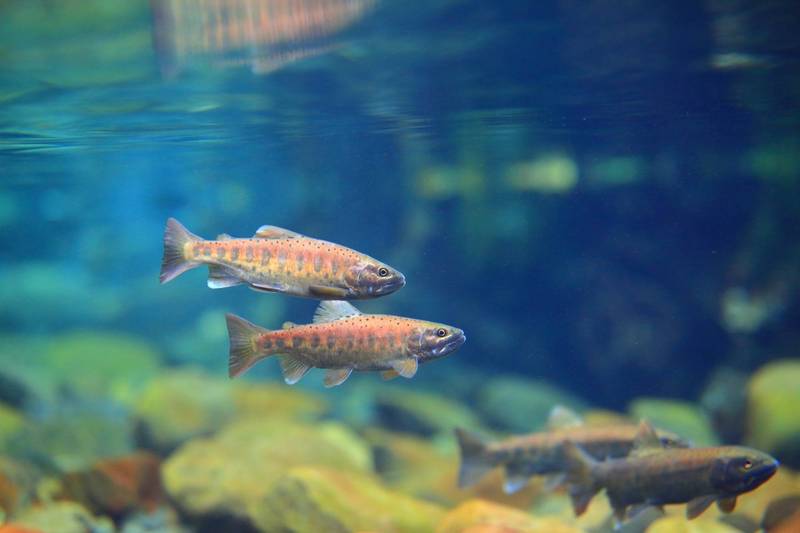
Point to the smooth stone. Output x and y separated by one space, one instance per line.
483 516
63 517
773 396
683 418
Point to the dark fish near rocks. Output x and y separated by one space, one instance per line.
342 339
654 476
542 453
279 260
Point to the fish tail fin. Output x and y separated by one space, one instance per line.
475 462
243 348
174 262
580 477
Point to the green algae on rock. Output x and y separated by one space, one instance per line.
399 409
181 404
230 473
773 398
312 499
486 517
63 517
522 405
683 418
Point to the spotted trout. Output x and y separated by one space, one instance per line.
654 476
542 453
342 339
279 260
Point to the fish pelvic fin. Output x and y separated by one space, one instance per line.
580 477
475 462
174 262
243 347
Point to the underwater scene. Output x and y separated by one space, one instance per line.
310 266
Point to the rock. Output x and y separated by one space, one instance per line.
101 364
170 410
725 400
13 528
71 441
229 474
485 517
116 487
11 421
522 405
679 524
313 499
773 396
163 520
683 418
426 414
18 481
63 517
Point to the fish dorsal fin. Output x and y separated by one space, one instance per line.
288 325
336 376
727 505
563 417
331 310
646 440
224 237
274 232
405 367
293 369
696 506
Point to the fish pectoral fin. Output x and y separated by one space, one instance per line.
405 367
272 287
328 293
274 232
696 506
563 417
389 374
336 376
331 310
220 277
293 369
727 505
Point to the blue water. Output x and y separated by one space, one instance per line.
581 188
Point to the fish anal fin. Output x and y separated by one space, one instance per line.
336 376
274 232
328 293
563 417
406 367
727 505
220 277
516 478
389 374
696 506
646 440
620 512
331 310
293 369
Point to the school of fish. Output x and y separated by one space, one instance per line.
637 466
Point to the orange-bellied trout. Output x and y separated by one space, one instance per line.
654 476
342 339
279 260
542 453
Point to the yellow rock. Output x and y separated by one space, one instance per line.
62 517
232 472
480 515
276 401
773 396
311 500
683 418
679 524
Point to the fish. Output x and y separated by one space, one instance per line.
279 260
653 476
341 339
542 453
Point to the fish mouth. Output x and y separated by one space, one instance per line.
451 345
762 473
392 285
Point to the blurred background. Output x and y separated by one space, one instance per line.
604 195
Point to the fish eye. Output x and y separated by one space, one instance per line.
747 464
441 332
383 272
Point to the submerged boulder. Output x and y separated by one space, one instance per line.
773 395
313 499
62 517
427 414
486 517
230 474
683 418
